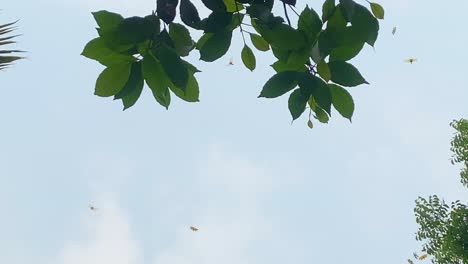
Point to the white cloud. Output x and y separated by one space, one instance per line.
108 238
230 221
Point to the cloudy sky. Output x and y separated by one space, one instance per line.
260 189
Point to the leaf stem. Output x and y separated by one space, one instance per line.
294 10
240 22
286 13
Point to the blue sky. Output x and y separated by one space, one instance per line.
260 189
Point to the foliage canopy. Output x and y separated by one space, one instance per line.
444 228
312 57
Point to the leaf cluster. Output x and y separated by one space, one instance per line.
312 58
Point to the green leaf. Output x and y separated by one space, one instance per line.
192 91
297 103
215 5
236 21
97 50
180 36
112 80
320 114
107 20
279 84
342 101
298 58
133 30
189 14
347 8
319 89
345 53
281 66
337 20
215 46
280 54
310 24
259 43
365 25
324 71
377 10
345 74
217 22
133 79
172 65
132 89
231 6
283 37
156 79
327 9
248 58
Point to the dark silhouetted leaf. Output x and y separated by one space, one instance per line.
347 8
192 91
217 21
156 79
215 46
215 5
189 14
173 66
279 84
297 103
132 89
319 89
135 29
345 74
166 10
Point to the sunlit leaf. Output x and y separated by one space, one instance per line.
112 80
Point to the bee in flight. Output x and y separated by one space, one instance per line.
92 208
194 229
393 30
410 261
231 61
411 60
422 257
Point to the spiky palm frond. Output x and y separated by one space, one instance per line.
7 56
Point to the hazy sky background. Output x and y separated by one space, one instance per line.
260 189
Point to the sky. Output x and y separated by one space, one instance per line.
260 189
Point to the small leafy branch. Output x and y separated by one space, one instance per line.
312 56
7 56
